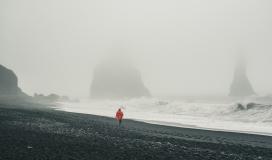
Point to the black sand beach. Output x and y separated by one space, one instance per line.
45 134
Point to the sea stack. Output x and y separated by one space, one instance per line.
241 86
117 79
8 83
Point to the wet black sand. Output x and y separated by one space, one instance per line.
44 134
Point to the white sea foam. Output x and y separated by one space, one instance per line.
225 116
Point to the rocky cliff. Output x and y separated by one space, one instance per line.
8 82
113 80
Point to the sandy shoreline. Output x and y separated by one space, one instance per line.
42 133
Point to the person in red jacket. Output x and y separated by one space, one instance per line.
119 116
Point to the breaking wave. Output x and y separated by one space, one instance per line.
228 115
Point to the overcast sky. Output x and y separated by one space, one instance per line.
179 46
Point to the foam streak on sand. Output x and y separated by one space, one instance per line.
223 116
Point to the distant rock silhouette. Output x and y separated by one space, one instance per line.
51 98
8 82
241 86
117 79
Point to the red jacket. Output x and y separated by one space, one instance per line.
119 115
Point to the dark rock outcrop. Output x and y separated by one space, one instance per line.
8 82
10 93
249 106
51 98
112 80
241 86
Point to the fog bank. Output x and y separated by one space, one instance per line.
180 47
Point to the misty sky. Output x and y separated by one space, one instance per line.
180 47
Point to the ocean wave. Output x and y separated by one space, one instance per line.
230 115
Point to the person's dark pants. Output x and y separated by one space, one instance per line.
120 121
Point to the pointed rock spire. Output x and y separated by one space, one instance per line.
241 86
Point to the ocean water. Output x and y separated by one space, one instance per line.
211 114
